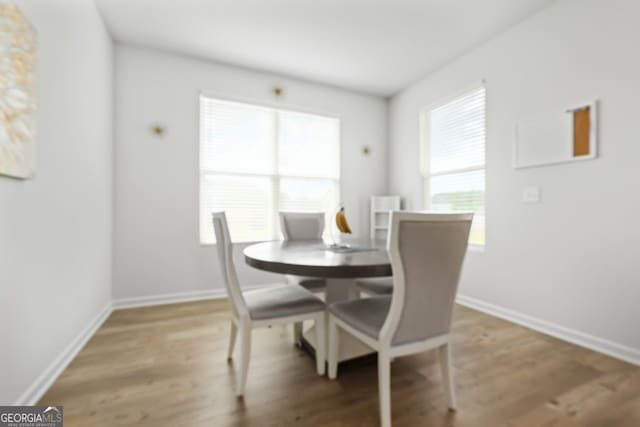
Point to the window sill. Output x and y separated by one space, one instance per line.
243 243
476 248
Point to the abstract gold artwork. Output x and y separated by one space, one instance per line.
17 92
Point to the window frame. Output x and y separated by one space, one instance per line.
274 178
425 151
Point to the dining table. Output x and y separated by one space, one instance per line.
339 265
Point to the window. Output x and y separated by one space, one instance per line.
453 160
256 161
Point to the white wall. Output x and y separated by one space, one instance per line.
157 248
573 259
55 229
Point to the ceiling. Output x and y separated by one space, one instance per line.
372 46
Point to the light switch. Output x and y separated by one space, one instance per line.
531 195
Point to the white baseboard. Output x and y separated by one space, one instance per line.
173 298
601 345
41 384
162 299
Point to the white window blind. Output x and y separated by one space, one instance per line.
256 161
453 162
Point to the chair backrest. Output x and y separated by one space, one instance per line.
225 254
302 225
427 251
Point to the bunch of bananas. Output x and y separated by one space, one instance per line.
341 221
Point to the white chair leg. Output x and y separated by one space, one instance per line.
447 375
232 339
245 351
333 348
297 333
320 343
384 388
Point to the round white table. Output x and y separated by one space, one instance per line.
314 258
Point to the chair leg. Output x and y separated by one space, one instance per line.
333 348
447 375
245 351
232 339
320 343
297 333
384 388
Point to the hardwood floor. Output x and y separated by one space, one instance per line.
166 366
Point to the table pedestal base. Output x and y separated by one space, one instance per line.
349 347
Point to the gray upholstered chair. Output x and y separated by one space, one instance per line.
303 226
282 304
426 252
375 286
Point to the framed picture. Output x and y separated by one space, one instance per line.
560 136
18 45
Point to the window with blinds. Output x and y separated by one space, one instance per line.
453 160
256 161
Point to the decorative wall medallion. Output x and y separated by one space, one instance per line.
18 47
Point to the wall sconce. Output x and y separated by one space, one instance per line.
157 129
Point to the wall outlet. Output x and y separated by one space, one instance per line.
531 195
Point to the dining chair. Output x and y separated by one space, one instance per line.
374 286
303 226
275 305
426 252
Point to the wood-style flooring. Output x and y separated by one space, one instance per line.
167 366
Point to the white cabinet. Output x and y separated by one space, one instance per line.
380 208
